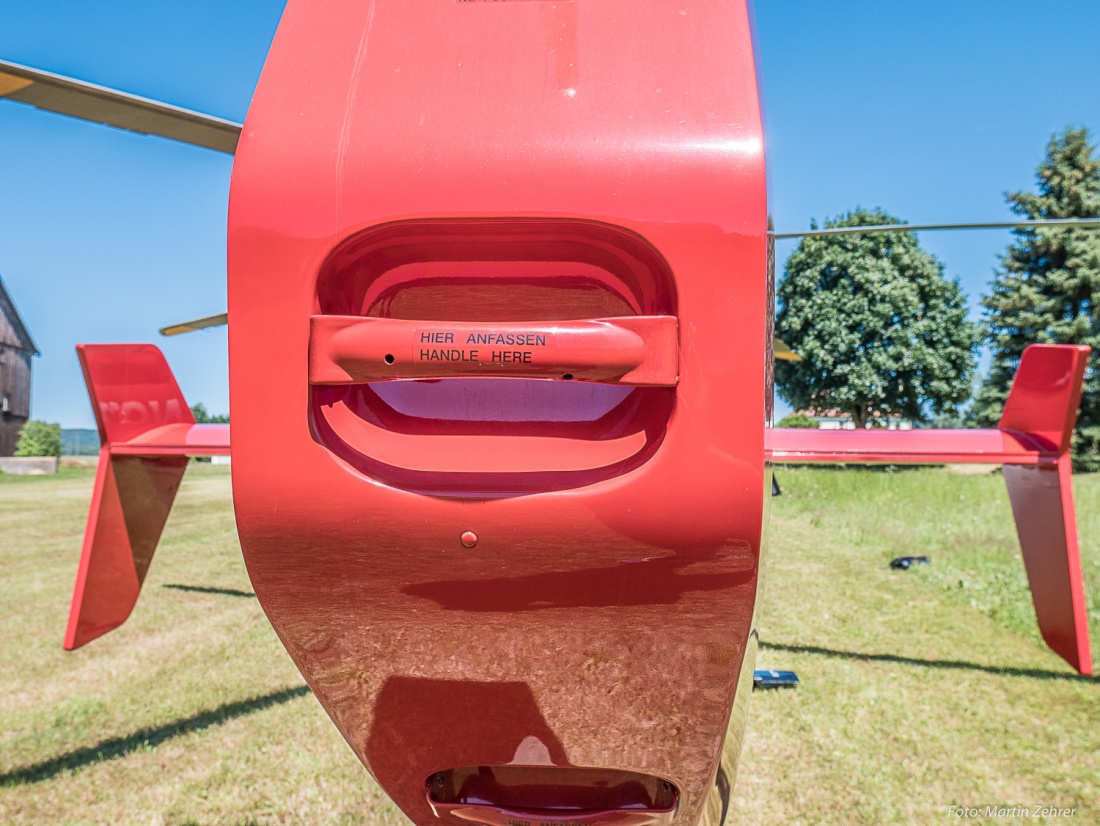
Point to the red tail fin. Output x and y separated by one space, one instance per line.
130 504
1043 406
132 390
146 432
1045 395
1032 442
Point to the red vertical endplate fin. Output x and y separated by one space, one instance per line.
1043 406
132 392
130 504
1042 505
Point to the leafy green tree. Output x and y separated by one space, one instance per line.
39 439
880 330
1048 284
198 410
797 419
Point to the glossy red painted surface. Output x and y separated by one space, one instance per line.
499 165
1042 505
130 504
901 447
1046 393
637 350
1043 407
131 389
177 439
1032 441
146 432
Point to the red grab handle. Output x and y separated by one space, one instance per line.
489 815
636 350
521 795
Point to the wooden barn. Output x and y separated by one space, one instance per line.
16 349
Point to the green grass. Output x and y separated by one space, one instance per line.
63 472
921 689
924 688
962 521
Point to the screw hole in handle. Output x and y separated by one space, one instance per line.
568 376
389 358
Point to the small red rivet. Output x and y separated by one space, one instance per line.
468 539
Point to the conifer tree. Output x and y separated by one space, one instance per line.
1048 284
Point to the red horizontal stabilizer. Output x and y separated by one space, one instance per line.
146 432
796 446
1032 440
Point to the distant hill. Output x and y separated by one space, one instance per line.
79 442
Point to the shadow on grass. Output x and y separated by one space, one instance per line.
202 589
147 737
1033 673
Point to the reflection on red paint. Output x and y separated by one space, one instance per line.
450 180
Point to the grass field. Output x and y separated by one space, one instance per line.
921 689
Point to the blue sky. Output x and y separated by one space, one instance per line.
931 110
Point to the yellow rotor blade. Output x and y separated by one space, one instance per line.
197 324
783 352
98 104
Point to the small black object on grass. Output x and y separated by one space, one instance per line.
764 678
904 563
775 487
